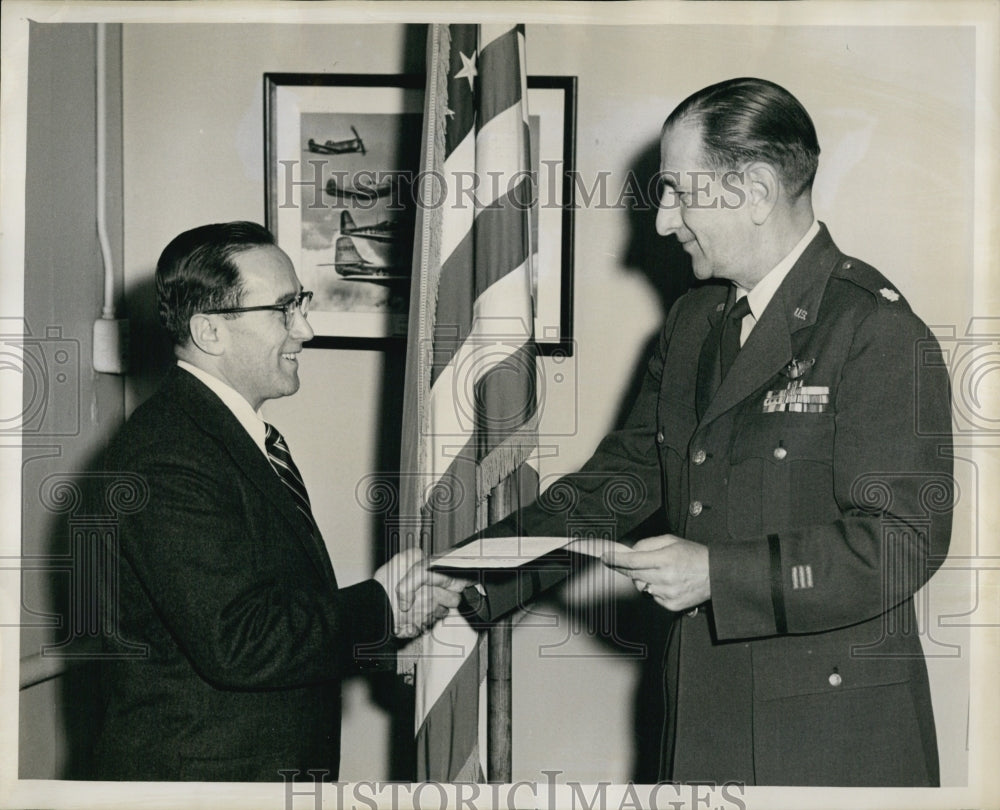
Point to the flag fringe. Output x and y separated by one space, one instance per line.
431 229
504 459
428 273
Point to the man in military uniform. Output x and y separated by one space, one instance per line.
776 426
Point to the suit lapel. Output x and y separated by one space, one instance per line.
769 347
213 416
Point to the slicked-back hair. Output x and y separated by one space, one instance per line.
746 120
196 272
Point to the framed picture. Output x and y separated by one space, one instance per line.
341 153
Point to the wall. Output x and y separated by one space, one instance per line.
69 410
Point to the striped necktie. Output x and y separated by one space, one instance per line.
281 459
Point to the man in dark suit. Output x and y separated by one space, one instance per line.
223 583
777 428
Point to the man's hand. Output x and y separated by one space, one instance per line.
672 570
419 596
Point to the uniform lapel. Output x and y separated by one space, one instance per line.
214 417
766 351
708 360
769 347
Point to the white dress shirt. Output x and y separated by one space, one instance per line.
760 296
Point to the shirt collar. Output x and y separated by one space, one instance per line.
760 296
232 399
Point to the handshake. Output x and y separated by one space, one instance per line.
418 595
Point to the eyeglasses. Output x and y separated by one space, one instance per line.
300 304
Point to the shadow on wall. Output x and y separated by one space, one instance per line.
660 260
387 690
81 508
91 607
667 269
64 636
151 353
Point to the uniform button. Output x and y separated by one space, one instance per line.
780 453
699 456
695 508
659 437
835 679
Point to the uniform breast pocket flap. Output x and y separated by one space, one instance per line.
784 439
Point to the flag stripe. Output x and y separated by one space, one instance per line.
499 57
459 188
498 158
450 733
457 176
491 32
451 400
512 394
495 247
501 237
453 492
456 641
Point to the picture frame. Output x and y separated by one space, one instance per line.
340 153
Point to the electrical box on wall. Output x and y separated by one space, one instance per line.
111 345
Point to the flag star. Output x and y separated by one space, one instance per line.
468 70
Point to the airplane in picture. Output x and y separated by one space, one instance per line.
362 191
350 264
385 231
344 147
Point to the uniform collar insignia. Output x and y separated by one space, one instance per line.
797 368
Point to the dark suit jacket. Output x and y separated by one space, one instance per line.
821 522
218 578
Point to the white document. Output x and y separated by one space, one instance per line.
511 552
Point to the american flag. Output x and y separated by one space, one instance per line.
469 421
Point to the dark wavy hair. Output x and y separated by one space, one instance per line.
196 272
746 120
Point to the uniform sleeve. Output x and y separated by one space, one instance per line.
892 479
236 602
620 485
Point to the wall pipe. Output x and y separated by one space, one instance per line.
108 311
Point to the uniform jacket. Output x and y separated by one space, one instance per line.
818 473
231 632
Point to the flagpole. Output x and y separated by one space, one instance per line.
499 681
499 697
